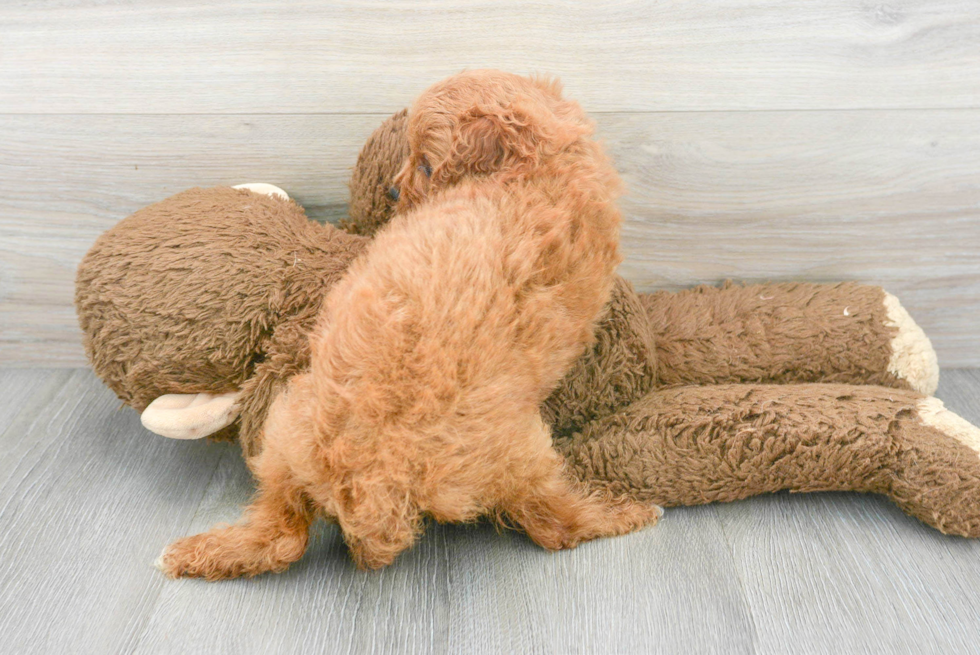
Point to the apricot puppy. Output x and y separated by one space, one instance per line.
431 357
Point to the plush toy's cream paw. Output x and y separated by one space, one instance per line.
190 416
264 189
933 413
913 358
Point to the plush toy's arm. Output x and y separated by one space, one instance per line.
241 414
191 415
288 356
695 445
795 332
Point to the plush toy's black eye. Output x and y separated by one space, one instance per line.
426 169
393 193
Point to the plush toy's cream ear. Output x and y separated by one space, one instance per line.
264 189
190 416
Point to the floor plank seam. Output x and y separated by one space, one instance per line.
162 580
52 393
741 582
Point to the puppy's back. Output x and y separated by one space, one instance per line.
453 303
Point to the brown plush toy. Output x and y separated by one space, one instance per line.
196 309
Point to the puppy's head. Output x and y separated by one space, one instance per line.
484 123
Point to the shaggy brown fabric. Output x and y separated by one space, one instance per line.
783 333
936 479
620 367
207 291
695 445
650 340
372 199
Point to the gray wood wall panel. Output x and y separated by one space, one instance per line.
884 197
244 56
88 498
887 197
761 140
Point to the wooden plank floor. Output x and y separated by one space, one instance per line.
88 498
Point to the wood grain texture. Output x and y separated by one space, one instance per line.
88 498
885 197
247 56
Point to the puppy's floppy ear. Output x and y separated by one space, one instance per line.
489 139
377 516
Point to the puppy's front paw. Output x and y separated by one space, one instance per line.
193 557
231 552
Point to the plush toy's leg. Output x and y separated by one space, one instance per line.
783 333
937 474
695 445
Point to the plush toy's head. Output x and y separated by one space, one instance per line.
184 295
187 295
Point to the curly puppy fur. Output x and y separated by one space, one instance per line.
432 356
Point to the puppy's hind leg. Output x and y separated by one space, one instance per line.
557 513
272 534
